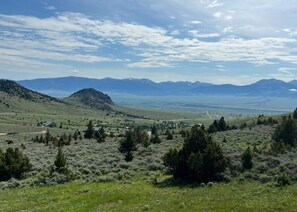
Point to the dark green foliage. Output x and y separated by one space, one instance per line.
60 161
100 138
100 135
141 137
247 159
200 159
286 132
155 139
169 135
222 126
154 130
183 133
269 121
213 128
283 180
89 133
128 145
295 114
75 135
47 137
219 126
9 141
13 164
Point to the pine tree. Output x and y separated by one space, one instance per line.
89 133
128 145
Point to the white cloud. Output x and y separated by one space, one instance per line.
195 22
50 8
215 3
287 70
197 34
218 14
228 30
78 38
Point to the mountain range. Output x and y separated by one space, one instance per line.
64 86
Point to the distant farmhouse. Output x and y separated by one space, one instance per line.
48 124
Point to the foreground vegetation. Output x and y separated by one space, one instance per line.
140 195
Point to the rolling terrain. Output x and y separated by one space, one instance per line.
101 179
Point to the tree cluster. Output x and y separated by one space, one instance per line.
57 141
269 121
199 160
90 132
155 139
131 139
218 126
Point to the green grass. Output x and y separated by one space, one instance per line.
140 195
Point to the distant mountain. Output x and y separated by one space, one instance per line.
67 85
142 87
266 87
92 98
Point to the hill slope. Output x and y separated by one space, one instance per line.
92 98
13 89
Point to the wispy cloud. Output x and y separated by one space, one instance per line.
76 37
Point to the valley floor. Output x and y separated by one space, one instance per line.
139 195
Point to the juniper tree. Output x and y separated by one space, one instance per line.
89 133
60 161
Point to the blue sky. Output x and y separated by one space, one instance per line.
216 41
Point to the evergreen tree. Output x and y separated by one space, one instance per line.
13 164
154 130
128 145
141 137
222 126
75 135
89 133
155 139
47 137
286 132
200 159
247 159
60 161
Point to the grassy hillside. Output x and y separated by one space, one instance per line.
139 195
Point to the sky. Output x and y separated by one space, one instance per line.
217 41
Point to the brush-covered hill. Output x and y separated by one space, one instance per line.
13 89
16 98
91 98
